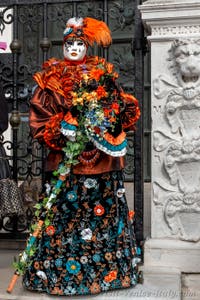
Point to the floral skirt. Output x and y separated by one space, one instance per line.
90 245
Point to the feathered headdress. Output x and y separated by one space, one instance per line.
89 30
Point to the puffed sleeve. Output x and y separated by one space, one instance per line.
46 111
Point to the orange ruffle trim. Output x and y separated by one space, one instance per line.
115 141
70 119
132 110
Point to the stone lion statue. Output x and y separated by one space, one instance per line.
185 62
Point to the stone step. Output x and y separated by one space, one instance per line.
190 286
12 244
162 283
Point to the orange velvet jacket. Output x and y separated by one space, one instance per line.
53 96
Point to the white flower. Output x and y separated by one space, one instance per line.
118 254
48 188
120 192
105 285
83 259
135 261
86 234
41 275
90 183
46 263
70 290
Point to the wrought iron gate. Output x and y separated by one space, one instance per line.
37 35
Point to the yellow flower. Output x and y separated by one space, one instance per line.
77 101
74 94
85 77
94 94
90 96
85 95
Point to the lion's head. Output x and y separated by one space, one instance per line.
185 58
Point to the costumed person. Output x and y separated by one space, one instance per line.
86 244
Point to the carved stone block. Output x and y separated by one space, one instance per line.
176 141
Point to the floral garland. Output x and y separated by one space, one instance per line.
97 103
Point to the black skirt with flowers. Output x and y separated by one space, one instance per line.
90 245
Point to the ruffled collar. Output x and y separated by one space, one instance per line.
60 75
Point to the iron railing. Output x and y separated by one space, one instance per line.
33 28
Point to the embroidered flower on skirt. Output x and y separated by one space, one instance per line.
90 183
118 254
99 210
58 262
82 289
96 257
83 259
73 266
70 291
50 230
41 275
86 234
46 264
71 196
112 275
120 192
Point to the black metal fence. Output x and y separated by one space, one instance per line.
37 35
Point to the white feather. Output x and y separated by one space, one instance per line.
75 22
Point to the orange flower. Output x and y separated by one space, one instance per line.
112 275
115 75
115 107
57 291
131 214
96 74
108 256
50 230
101 92
126 282
59 243
109 67
95 288
36 265
112 119
99 210
106 112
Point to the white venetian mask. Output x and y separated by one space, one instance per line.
74 50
